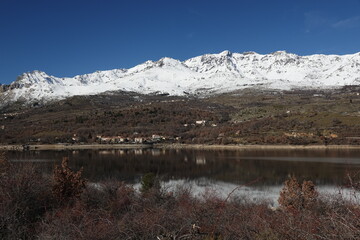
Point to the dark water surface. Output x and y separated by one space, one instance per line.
271 167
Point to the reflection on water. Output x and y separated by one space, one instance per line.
200 160
201 187
271 167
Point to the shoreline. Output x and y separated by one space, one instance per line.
256 147
59 147
44 147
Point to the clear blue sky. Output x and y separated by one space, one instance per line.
65 38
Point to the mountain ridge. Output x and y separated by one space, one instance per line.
205 74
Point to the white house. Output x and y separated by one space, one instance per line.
200 122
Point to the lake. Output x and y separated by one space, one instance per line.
221 170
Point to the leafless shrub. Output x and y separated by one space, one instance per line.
353 180
77 222
25 196
112 196
4 163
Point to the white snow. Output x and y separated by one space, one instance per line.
209 73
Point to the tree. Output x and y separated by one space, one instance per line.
296 196
67 183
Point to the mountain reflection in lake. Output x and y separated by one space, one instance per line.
270 167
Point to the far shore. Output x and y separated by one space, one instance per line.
72 147
255 147
169 146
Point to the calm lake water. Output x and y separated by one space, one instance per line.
268 167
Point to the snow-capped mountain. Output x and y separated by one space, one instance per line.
206 74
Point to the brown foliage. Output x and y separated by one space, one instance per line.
25 196
67 183
309 194
4 163
296 196
111 196
77 222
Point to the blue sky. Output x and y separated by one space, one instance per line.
65 38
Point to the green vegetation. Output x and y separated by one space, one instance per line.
148 181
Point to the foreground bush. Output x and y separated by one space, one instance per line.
25 196
295 196
68 184
114 210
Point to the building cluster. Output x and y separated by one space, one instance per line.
134 140
200 123
304 134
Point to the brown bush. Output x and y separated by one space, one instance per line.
77 222
4 163
68 184
112 196
296 196
25 196
309 194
